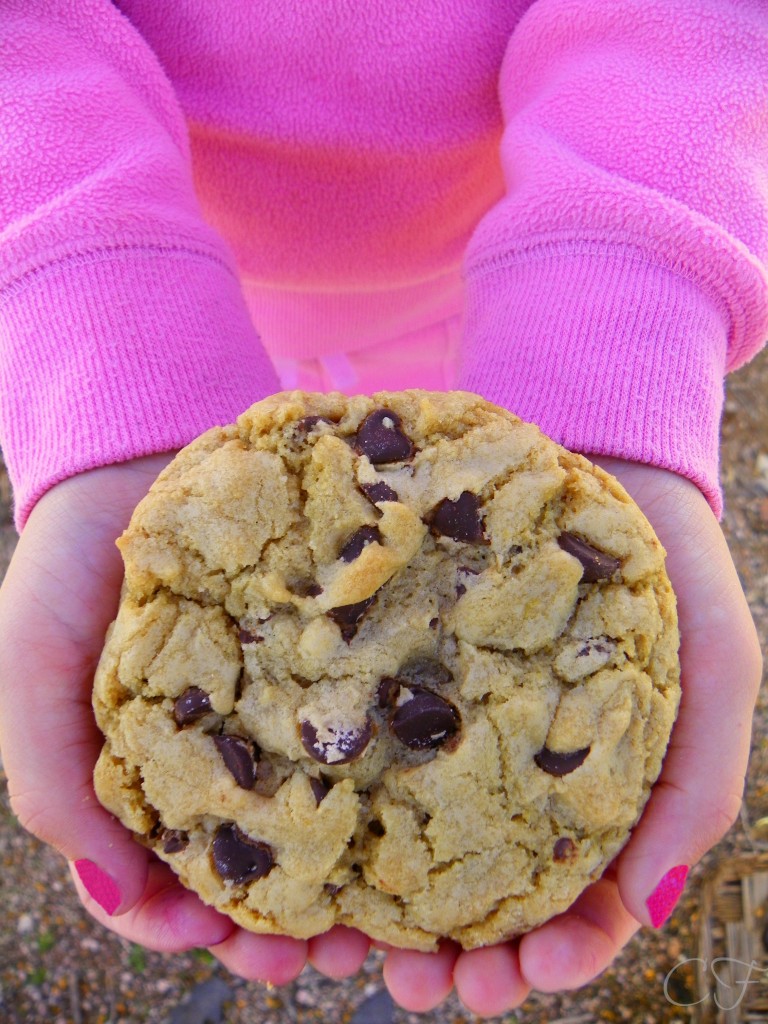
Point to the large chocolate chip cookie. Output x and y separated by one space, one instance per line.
399 662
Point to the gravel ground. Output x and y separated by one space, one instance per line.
59 967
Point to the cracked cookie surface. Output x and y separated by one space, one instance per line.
398 662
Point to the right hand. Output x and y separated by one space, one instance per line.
58 598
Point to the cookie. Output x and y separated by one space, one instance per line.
397 662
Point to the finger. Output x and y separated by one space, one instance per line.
50 744
166 918
54 611
574 947
420 981
488 981
339 953
273 959
698 795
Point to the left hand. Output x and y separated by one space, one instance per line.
693 804
57 599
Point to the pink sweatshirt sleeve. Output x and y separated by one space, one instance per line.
109 277
624 272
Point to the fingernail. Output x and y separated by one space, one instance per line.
100 886
664 897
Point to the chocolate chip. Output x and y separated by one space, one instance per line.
560 764
249 638
347 616
460 590
376 828
379 491
360 539
459 519
319 789
387 691
239 755
194 703
174 840
597 565
381 439
433 623
424 672
308 424
346 742
238 858
564 849
424 720
306 588
598 645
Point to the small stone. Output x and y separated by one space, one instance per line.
25 924
378 1008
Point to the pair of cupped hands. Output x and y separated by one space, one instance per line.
59 596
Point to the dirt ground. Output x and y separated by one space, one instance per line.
59 967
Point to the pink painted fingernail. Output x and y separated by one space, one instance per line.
99 885
664 897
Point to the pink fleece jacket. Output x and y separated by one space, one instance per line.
584 180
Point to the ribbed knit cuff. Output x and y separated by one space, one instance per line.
117 354
609 354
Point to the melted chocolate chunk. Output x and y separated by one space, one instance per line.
360 539
238 858
381 439
376 828
239 755
347 616
346 742
319 789
174 840
560 764
380 491
424 720
564 849
387 691
424 672
597 565
249 638
306 588
308 424
191 705
459 519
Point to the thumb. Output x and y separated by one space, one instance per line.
50 744
698 795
